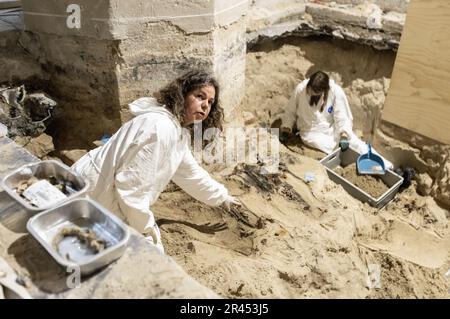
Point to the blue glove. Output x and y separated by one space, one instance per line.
344 144
285 132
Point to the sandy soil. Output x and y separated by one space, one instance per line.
293 238
372 185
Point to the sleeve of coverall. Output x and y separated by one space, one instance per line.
134 183
193 179
343 118
289 115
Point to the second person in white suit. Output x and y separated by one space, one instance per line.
319 108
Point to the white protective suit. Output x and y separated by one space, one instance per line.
322 130
129 172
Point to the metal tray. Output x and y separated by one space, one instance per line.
86 214
41 170
338 158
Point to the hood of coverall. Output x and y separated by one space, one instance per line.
147 104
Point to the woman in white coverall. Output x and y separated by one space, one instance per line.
129 172
321 111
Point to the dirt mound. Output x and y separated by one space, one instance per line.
372 185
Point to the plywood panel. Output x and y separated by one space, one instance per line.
419 95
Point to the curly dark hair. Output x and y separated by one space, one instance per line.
173 96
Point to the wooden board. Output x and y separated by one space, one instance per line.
419 95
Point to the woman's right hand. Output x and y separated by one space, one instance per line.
230 200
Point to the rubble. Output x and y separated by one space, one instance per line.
40 146
25 114
71 156
375 24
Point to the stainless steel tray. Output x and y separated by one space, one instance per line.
338 158
41 170
86 214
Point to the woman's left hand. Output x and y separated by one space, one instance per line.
343 142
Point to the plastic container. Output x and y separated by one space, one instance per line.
350 156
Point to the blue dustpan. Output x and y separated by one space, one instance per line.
370 164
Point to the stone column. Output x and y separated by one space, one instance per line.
163 39
82 63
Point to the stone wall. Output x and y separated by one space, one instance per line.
400 6
128 49
377 23
16 65
430 159
207 35
83 78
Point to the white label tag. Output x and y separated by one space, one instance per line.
42 194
